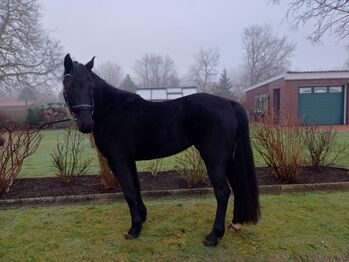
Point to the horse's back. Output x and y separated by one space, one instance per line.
208 117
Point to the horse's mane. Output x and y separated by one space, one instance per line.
101 83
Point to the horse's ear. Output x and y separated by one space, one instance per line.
89 65
68 64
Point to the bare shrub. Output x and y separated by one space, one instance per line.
154 166
67 157
18 143
278 139
321 146
107 177
191 167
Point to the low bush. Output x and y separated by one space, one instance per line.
154 166
48 113
278 139
191 167
18 143
321 146
33 115
67 157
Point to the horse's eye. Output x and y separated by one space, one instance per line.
67 79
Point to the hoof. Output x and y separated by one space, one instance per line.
128 236
234 227
209 243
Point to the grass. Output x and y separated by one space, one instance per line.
300 227
39 164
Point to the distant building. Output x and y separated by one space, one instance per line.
165 93
14 109
318 97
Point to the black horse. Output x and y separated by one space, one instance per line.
127 128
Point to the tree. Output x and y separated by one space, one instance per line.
29 57
325 15
110 72
265 54
204 69
27 94
156 71
224 86
128 84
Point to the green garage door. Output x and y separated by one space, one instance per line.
321 105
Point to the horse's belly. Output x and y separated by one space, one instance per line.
160 151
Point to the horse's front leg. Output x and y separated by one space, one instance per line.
123 172
140 205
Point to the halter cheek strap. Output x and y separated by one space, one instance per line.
80 106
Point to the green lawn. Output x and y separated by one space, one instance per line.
299 227
39 164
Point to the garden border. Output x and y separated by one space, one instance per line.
110 197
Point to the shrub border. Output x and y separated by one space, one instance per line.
110 197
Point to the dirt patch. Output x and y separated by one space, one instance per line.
52 186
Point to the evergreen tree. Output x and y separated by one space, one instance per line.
128 84
223 88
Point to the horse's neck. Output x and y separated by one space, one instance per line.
107 98
103 96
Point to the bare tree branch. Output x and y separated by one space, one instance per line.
28 56
326 16
153 70
265 54
110 72
204 70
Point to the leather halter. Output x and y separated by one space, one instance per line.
79 106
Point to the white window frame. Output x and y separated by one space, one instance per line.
336 89
305 90
320 90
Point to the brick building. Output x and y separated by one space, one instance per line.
318 97
15 110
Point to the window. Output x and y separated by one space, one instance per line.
261 103
320 89
174 96
146 94
305 90
159 94
174 90
335 89
189 91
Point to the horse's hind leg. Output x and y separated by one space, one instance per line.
123 171
216 173
235 225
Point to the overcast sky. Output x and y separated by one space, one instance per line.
122 31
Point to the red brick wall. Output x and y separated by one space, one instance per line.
289 92
250 102
15 113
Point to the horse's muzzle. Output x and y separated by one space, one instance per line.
86 129
85 123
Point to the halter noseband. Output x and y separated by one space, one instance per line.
79 106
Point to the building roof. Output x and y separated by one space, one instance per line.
14 103
304 75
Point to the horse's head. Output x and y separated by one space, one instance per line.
78 92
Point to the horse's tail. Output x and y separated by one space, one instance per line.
242 173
